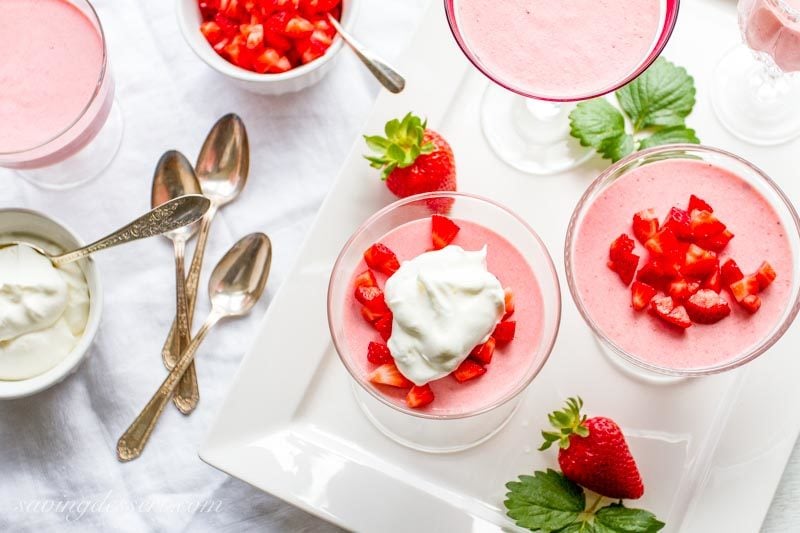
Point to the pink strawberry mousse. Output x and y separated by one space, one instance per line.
510 362
560 48
759 235
52 57
773 27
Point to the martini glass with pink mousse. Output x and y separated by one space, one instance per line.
756 85
59 125
544 54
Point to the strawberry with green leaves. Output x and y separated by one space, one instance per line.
413 159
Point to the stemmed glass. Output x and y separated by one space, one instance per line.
756 87
69 154
525 122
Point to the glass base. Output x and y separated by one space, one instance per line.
530 135
635 372
432 435
85 165
753 103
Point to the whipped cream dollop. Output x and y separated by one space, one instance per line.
43 311
444 303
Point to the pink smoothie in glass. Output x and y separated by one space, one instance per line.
560 48
773 27
510 362
759 235
51 58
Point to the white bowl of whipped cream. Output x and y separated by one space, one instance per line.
48 316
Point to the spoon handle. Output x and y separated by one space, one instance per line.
188 394
133 441
188 401
383 72
166 217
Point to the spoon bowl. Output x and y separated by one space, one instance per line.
174 177
224 160
240 276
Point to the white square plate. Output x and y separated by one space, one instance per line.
291 426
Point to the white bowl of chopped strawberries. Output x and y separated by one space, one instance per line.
266 46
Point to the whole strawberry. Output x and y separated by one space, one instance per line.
593 453
413 158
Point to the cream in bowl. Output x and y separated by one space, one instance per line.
48 315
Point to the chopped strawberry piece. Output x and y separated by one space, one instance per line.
625 268
705 224
372 317
765 275
483 352
699 262
645 225
681 289
665 309
510 306
419 396
298 28
731 273
372 298
751 303
715 243
714 280
641 294
745 287
663 243
468 370
388 374
212 32
698 204
384 326
621 248
365 279
504 332
443 231
707 307
658 273
379 354
679 223
382 259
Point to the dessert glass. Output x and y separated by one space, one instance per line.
756 84
531 131
86 146
458 430
634 363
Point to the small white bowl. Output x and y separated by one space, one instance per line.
36 224
297 79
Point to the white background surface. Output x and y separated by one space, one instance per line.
59 445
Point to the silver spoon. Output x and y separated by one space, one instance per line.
235 286
222 169
385 74
174 177
172 215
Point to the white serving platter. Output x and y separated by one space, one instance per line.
711 450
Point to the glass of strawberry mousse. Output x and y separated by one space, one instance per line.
59 125
756 84
544 54
436 384
717 320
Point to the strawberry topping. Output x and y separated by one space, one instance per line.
698 204
704 224
388 374
699 263
382 259
372 298
365 279
707 307
504 332
379 354
419 396
384 326
443 231
484 352
730 273
765 275
509 297
645 225
468 370
679 223
641 294
665 309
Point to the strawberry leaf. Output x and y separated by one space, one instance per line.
615 148
616 518
546 501
403 144
594 121
663 95
671 135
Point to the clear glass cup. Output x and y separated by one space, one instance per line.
530 131
87 145
756 87
454 431
633 363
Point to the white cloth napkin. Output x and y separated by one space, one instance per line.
58 469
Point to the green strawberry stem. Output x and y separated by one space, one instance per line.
568 421
403 144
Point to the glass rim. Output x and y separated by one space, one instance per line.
546 347
775 334
98 86
673 6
